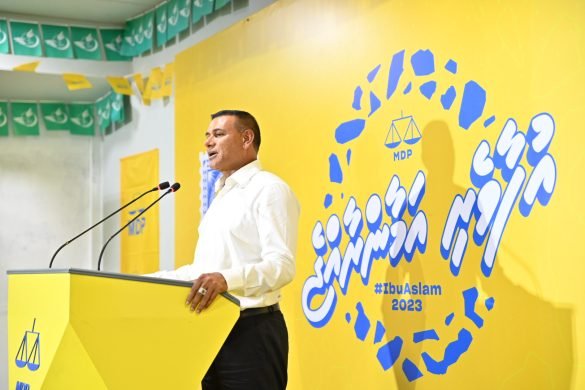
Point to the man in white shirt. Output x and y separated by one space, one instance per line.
247 242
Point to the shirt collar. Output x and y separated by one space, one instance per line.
241 177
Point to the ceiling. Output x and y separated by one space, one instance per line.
110 12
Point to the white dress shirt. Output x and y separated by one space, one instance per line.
249 235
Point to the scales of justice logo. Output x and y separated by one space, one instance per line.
29 352
427 293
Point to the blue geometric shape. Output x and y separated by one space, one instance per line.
389 353
452 353
357 98
380 331
328 200
335 174
411 370
449 318
430 334
489 303
489 121
472 104
373 73
428 89
362 323
470 297
348 317
348 156
396 69
448 97
408 88
451 66
374 103
423 62
349 130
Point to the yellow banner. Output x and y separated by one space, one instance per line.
140 240
76 81
435 157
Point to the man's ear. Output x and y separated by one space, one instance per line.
248 138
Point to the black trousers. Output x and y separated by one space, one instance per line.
254 356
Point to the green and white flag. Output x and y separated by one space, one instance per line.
104 112
117 107
3 119
161 25
81 119
86 43
221 3
112 39
178 14
200 9
4 44
147 23
57 41
26 39
55 116
25 120
129 45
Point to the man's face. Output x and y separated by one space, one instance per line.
225 144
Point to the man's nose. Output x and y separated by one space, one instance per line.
208 142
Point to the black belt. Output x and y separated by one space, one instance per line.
259 310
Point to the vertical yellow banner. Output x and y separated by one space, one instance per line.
140 240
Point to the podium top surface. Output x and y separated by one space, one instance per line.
113 275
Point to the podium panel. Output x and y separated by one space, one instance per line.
77 329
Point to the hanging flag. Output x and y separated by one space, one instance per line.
117 107
112 39
220 4
25 120
139 82
178 13
140 240
154 84
4 44
81 120
201 8
128 44
76 81
27 67
120 85
26 39
161 24
104 112
86 43
55 116
3 119
147 31
57 41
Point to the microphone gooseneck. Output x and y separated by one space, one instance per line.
174 188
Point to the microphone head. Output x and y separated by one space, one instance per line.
164 185
175 187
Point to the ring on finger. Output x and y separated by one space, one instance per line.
202 290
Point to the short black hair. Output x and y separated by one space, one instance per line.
245 121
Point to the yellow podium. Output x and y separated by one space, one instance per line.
79 329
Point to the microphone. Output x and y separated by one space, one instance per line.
161 186
174 188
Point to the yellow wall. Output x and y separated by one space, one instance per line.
296 66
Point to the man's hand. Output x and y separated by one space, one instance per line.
204 290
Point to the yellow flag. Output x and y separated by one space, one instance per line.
154 84
28 67
139 81
140 240
76 81
120 85
167 83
